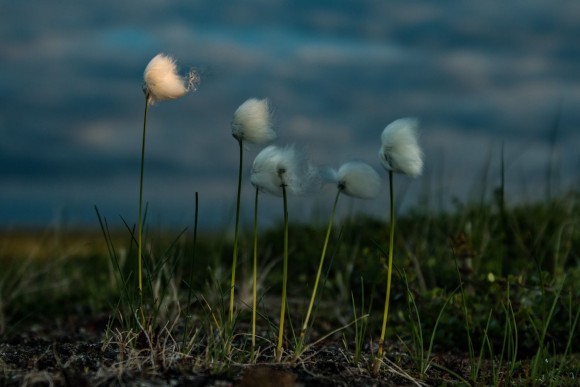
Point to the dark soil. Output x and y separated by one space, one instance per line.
74 354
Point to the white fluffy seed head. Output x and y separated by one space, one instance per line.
276 167
400 151
162 82
358 179
264 170
252 122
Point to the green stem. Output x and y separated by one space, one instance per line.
140 220
189 285
316 282
235 254
379 358
255 279
279 348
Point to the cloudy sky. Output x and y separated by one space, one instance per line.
478 74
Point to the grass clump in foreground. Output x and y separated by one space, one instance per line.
473 301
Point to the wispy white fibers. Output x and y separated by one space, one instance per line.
357 179
252 122
400 151
162 82
275 167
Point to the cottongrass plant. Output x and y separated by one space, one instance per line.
278 171
399 153
356 179
251 124
161 82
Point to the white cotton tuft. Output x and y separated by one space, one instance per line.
400 151
358 179
265 170
162 82
252 122
275 167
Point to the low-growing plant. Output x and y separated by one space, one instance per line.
421 353
539 365
509 349
361 322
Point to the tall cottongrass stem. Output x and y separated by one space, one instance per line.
280 171
356 179
161 82
255 278
279 346
399 153
251 124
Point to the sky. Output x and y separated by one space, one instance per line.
479 75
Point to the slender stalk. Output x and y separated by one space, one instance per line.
379 358
140 220
318 274
279 348
255 279
235 254
189 291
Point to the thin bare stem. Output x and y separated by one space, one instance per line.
255 278
279 348
189 285
378 360
235 254
316 282
140 217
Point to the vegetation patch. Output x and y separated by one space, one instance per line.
481 295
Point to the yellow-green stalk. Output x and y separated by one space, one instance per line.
255 279
140 216
300 345
251 124
379 358
277 170
235 253
279 347
399 153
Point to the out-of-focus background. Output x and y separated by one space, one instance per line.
479 76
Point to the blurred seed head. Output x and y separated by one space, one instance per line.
357 179
162 82
275 167
252 122
400 151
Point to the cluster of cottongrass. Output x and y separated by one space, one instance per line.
280 171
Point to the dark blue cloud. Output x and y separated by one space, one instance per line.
477 74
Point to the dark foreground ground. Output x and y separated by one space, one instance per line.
80 359
78 354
